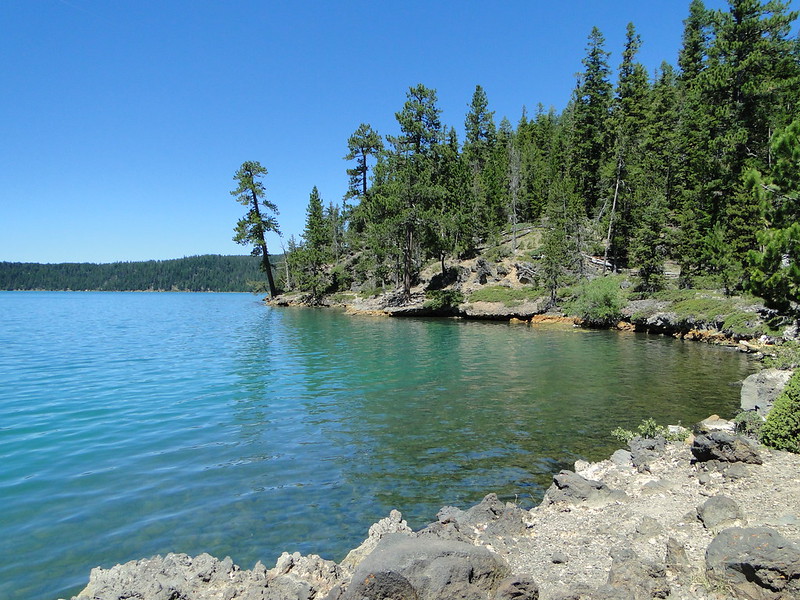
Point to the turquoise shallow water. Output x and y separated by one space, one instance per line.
133 424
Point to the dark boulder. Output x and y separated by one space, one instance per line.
756 562
571 488
720 512
646 450
517 588
483 271
526 273
632 578
429 568
490 518
724 447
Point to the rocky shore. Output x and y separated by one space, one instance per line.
712 519
711 317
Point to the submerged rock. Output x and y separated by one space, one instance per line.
716 423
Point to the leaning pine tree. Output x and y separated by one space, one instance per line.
252 228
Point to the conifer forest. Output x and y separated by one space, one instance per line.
696 166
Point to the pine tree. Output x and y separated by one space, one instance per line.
692 55
450 229
627 168
538 153
334 221
315 251
751 75
253 227
649 245
660 138
590 139
694 166
494 180
774 268
479 146
560 239
411 187
480 129
363 144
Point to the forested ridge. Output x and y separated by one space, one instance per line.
207 273
696 164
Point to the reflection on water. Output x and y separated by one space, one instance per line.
136 424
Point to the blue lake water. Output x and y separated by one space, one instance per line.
133 424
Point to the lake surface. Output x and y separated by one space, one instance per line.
133 424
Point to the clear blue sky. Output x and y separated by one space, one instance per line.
123 121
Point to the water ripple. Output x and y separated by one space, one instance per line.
135 424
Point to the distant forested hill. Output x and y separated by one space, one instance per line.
207 273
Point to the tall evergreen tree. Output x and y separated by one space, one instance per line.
315 251
694 172
363 144
479 145
411 187
561 237
649 244
253 227
752 74
750 63
480 130
627 165
590 139
694 50
774 268
450 226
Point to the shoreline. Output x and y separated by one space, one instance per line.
647 522
659 320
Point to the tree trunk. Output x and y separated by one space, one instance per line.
611 216
265 266
363 167
407 263
268 270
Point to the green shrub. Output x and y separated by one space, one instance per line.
599 301
674 295
648 428
342 297
732 315
786 356
443 299
781 430
341 279
749 423
506 295
497 253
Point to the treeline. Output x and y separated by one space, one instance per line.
207 273
696 163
